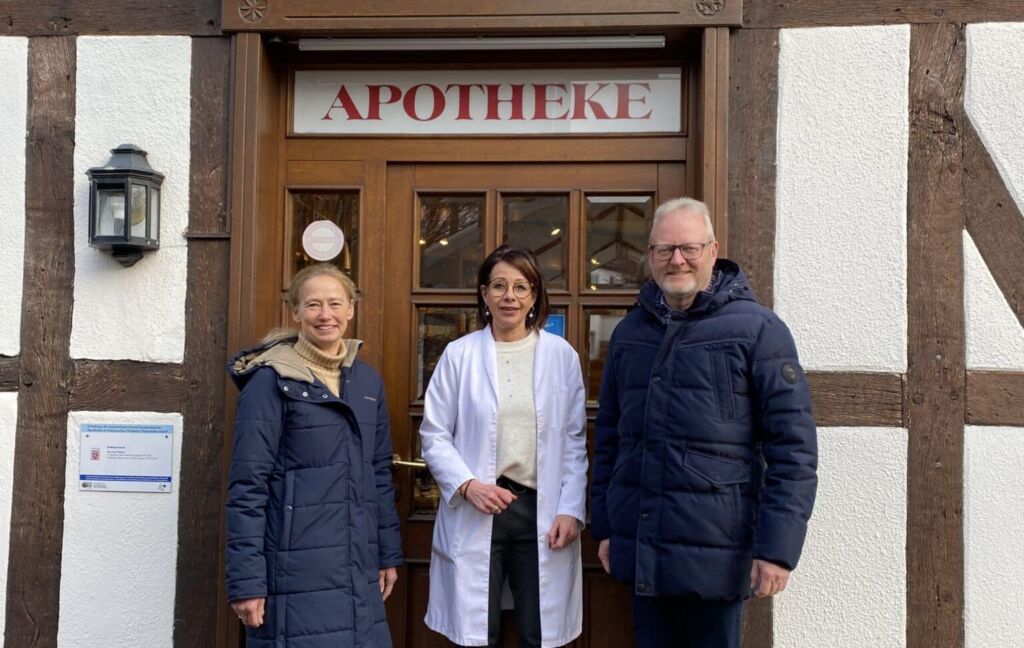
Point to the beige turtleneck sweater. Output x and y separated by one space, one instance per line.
325 367
517 413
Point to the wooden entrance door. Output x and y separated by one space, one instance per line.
587 224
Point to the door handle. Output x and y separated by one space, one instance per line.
396 460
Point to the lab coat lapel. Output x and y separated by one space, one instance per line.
490 358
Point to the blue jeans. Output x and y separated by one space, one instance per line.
684 622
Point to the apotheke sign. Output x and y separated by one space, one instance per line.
487 102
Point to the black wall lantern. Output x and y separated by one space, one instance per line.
124 205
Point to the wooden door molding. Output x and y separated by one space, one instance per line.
475 16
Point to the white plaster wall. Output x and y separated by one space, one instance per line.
994 97
13 126
120 553
133 90
8 426
850 586
995 339
840 246
993 536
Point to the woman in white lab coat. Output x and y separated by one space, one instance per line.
504 434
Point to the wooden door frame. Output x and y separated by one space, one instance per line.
260 149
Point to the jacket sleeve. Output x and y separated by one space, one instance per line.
572 500
258 426
437 431
606 447
789 445
389 539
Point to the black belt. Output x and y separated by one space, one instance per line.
513 486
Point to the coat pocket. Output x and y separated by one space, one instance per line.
718 471
289 506
723 386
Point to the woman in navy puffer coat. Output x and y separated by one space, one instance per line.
312 528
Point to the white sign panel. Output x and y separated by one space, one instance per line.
125 457
488 102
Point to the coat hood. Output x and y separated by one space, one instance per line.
281 357
728 283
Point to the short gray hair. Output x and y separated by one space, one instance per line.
684 204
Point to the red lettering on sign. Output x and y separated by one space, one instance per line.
343 101
394 94
541 100
464 97
409 102
625 100
581 100
515 101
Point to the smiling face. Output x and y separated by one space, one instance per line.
508 312
678 278
323 311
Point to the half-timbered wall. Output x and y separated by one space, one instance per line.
875 197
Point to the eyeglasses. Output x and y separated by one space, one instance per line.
690 251
498 288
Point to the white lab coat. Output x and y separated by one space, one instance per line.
459 442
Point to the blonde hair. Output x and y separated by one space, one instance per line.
279 334
320 270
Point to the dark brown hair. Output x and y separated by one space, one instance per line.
521 259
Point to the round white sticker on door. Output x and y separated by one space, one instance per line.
323 240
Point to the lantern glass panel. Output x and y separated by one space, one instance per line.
154 213
138 211
110 210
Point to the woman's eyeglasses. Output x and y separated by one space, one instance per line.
498 288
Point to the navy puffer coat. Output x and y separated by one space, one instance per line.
311 512
706 452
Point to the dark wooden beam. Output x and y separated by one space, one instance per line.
820 13
995 398
197 604
9 368
857 399
753 87
994 220
126 386
106 17
935 346
478 16
37 509
753 116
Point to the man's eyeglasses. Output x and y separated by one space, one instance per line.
690 251
498 288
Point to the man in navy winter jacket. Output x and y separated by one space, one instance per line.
706 453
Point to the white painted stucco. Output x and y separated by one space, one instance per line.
120 553
850 586
993 536
133 90
995 339
840 244
8 426
995 86
13 127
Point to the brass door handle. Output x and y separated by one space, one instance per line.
396 460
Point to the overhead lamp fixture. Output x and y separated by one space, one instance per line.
480 43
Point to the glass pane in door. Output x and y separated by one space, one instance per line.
451 240
338 207
540 223
439 325
617 228
600 324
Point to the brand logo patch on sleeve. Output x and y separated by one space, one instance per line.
789 373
